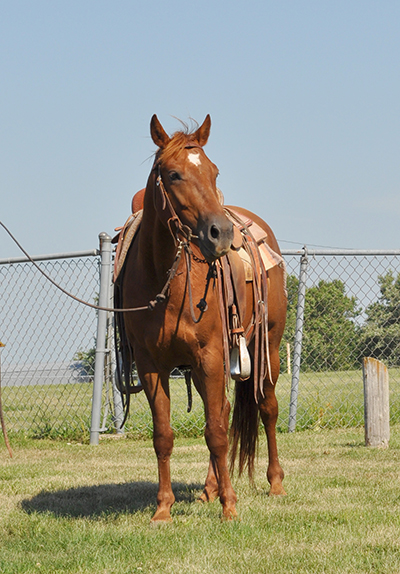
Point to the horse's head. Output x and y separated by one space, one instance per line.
188 180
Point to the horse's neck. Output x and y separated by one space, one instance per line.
156 245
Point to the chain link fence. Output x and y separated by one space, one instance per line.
46 367
351 309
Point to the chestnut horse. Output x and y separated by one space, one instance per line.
182 210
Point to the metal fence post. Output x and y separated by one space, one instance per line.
298 340
104 299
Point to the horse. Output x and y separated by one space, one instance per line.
183 235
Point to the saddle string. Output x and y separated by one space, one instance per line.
225 325
260 306
261 313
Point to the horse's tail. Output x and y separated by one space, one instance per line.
244 428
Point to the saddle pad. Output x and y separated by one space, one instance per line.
125 238
269 257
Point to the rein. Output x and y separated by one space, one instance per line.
170 218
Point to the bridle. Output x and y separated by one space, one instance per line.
182 236
166 211
163 205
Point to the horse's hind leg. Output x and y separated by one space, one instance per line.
210 492
268 406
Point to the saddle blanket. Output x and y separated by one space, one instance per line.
124 238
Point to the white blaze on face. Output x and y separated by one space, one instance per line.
194 157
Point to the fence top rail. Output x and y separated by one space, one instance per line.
341 252
76 254
290 252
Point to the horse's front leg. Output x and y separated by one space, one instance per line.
211 489
156 387
216 405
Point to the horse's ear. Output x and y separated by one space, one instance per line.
201 135
158 134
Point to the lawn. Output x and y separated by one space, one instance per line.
75 508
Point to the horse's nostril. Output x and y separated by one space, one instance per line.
214 231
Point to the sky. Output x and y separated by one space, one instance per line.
304 98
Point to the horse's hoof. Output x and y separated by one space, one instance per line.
161 517
230 516
158 522
207 497
277 490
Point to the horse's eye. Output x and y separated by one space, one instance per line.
174 176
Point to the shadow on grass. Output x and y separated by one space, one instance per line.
95 501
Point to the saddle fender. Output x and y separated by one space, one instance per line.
238 278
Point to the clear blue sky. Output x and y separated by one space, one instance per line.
304 98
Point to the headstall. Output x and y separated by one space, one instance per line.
182 235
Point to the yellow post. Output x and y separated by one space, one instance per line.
289 365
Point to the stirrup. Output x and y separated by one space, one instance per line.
240 361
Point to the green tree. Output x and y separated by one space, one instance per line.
330 335
86 360
380 335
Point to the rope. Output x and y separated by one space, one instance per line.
159 298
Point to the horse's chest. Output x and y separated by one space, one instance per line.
171 328
170 334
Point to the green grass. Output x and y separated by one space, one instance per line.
331 399
48 410
78 509
326 400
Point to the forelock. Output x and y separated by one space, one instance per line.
178 142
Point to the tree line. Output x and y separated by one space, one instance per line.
332 337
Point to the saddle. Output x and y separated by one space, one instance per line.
249 260
252 257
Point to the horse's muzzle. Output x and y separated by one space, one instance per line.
215 237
